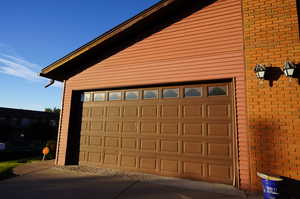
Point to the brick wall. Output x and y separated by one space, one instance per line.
271 36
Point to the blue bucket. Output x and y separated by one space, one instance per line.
271 186
271 189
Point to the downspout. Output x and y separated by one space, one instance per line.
50 83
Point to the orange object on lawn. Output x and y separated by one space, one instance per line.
46 150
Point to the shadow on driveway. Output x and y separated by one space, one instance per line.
54 183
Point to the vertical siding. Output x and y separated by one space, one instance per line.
205 45
64 125
60 124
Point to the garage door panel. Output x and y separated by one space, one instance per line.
91 148
85 126
98 113
112 126
86 112
129 144
193 169
169 166
169 128
218 111
193 129
169 146
194 148
148 145
110 159
220 172
95 140
149 111
149 127
148 163
170 111
97 126
94 157
128 161
187 135
193 110
113 111
219 129
113 142
84 140
222 150
130 111
82 156
130 127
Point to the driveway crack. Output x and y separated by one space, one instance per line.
126 189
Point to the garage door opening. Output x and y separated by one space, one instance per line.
182 131
74 131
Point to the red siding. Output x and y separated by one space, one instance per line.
205 45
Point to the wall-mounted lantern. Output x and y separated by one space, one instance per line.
260 71
289 69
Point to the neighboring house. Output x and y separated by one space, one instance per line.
173 92
19 124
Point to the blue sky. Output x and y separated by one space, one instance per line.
35 33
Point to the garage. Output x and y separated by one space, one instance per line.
183 131
162 93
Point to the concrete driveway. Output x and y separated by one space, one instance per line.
42 180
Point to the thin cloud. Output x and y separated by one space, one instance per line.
16 67
19 67
4 48
20 61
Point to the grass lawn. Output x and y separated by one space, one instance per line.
6 168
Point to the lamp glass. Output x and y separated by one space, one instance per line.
290 72
260 74
289 68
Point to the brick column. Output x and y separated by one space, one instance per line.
271 36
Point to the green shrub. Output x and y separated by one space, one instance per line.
51 144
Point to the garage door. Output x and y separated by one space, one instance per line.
183 131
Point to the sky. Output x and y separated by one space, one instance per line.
35 33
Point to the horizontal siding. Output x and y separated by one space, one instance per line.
205 45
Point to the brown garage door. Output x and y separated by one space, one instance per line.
184 131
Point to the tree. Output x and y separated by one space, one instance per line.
54 110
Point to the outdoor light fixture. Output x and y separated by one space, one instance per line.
289 69
260 70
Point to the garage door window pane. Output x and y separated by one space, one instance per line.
99 97
193 92
217 91
86 97
132 95
171 93
114 96
150 94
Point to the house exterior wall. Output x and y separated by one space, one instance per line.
16 120
206 45
26 130
271 36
